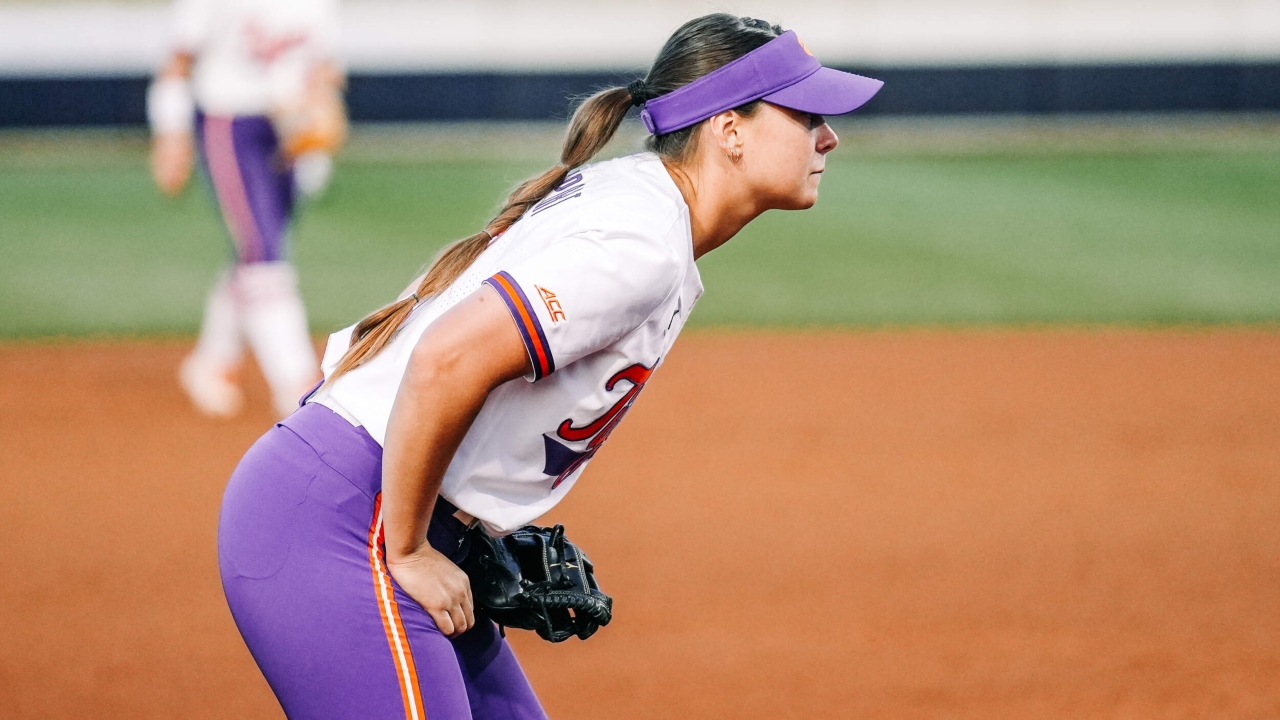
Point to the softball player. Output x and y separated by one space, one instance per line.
482 393
253 84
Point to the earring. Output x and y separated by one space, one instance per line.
734 155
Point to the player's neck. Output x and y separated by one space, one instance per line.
718 206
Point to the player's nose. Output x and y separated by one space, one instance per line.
827 139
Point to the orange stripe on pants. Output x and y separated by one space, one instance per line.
401 654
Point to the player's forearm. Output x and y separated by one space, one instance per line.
465 354
171 114
437 402
327 73
170 105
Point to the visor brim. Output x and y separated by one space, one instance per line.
827 92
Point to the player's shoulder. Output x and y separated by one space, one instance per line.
633 193
629 208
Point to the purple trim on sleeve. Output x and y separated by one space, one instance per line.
527 322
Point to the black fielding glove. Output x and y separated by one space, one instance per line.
535 579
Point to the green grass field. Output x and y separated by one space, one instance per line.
980 230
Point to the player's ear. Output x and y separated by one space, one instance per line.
725 134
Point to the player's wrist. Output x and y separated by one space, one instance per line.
415 555
171 106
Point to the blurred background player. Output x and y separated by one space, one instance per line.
254 86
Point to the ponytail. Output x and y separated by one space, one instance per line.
698 47
591 128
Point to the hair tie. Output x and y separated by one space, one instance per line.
639 92
415 298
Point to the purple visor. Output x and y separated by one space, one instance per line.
782 71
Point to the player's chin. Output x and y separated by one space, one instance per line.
799 196
799 202
808 196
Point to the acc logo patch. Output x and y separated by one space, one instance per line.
553 305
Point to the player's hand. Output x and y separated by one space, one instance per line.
439 586
172 155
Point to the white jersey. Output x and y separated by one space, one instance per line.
253 54
599 278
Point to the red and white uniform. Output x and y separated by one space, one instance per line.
599 278
252 55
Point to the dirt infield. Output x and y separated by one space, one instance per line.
890 525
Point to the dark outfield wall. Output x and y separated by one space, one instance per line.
533 96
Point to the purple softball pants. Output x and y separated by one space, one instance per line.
253 186
302 562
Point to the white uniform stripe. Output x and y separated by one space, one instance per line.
233 198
